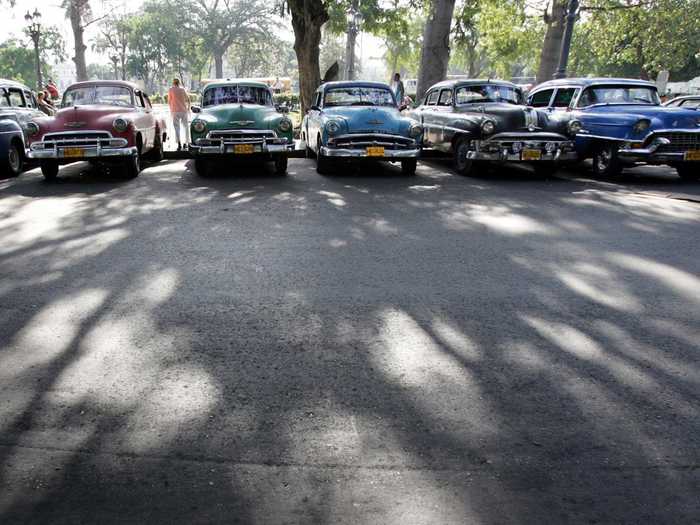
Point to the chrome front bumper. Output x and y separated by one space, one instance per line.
500 148
356 153
651 155
220 146
81 149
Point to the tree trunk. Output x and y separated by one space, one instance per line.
76 23
219 63
551 47
435 54
308 16
350 45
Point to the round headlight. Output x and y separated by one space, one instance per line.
574 126
332 127
642 125
415 130
32 129
697 122
199 125
120 124
285 125
488 127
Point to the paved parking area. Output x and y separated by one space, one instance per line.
357 348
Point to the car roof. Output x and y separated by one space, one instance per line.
236 82
353 83
586 82
454 82
686 97
87 83
12 83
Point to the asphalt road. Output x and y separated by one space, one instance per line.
358 348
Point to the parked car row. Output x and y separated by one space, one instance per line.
614 122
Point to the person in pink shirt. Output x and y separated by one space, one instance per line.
179 102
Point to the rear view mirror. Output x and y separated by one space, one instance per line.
196 109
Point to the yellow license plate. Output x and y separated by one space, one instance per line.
531 154
243 149
74 152
692 155
375 151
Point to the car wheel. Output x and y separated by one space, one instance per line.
689 172
132 167
14 162
462 164
408 166
49 169
323 163
605 161
545 169
281 165
202 167
156 154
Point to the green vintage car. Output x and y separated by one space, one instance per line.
238 119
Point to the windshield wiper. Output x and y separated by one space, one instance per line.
363 103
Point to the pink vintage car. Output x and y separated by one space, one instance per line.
100 121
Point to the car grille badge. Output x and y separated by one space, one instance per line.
242 122
74 124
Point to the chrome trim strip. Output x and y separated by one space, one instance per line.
362 153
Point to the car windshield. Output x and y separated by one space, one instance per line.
488 93
236 95
619 95
107 95
359 96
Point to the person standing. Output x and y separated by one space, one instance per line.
397 88
179 102
52 89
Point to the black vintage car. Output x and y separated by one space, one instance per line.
486 121
17 107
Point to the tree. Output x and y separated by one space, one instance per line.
308 16
17 62
223 22
435 54
114 40
551 47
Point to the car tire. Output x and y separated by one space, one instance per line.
545 169
49 169
689 172
202 167
13 163
323 163
132 167
156 154
408 166
462 164
281 165
605 161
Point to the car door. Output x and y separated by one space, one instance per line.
144 121
444 114
313 121
428 116
21 106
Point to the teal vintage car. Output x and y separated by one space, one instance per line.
238 119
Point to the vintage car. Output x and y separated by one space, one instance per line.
17 108
623 123
685 102
237 119
479 122
359 120
102 121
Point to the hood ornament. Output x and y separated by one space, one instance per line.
74 124
241 122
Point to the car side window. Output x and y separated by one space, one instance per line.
16 98
317 99
432 98
690 104
541 98
4 101
564 97
28 99
445 98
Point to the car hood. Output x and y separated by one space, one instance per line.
238 116
368 119
661 117
78 118
507 117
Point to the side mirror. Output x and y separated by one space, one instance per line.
282 109
315 108
196 109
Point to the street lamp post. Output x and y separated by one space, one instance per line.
34 30
566 40
353 18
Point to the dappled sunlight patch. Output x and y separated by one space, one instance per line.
432 377
566 338
524 355
599 285
420 188
678 281
500 219
334 198
337 243
50 333
455 339
70 252
156 287
379 225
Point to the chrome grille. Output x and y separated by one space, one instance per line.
82 139
390 142
247 137
680 142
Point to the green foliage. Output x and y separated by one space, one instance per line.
17 63
290 99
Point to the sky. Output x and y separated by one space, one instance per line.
369 50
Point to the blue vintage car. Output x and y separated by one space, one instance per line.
623 123
355 120
17 108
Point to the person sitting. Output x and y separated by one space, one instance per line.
44 107
52 89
